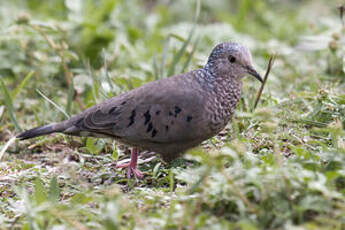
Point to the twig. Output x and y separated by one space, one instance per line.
341 14
270 64
196 212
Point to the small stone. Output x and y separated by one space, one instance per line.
23 19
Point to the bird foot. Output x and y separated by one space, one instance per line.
132 166
136 172
132 170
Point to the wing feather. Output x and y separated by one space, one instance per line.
164 111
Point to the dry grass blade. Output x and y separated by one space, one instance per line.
2 109
53 103
8 143
269 67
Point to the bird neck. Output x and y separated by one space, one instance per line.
225 86
226 93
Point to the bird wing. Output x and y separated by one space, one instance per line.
165 111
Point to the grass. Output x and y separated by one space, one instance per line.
280 166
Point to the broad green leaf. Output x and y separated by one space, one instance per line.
54 190
93 145
40 193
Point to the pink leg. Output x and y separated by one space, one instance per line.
132 165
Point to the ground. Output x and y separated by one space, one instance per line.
279 166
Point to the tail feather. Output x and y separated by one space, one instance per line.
42 130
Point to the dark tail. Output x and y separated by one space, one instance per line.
43 130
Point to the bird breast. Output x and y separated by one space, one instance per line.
222 104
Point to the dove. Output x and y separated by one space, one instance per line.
170 115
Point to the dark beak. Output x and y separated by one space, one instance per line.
255 74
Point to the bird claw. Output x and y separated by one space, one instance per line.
136 172
132 170
132 166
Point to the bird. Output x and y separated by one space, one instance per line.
166 116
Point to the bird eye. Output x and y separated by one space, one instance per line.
231 59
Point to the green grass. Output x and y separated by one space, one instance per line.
281 166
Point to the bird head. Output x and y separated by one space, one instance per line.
233 60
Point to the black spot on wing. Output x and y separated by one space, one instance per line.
167 128
177 110
132 118
158 112
124 102
189 118
154 132
149 127
147 117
